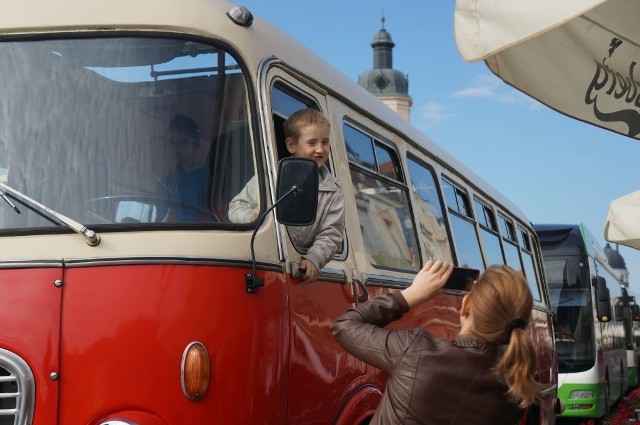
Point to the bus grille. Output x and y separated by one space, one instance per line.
17 390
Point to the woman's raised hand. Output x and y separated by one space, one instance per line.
426 284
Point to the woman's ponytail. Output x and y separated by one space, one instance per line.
517 367
501 302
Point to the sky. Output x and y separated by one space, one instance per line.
554 168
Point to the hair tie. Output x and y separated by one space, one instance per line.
515 323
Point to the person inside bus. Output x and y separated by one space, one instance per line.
484 376
306 135
186 182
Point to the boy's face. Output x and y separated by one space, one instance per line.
313 143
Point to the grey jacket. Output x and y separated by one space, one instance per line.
318 242
431 381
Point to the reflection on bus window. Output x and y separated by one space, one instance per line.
509 242
463 227
383 203
386 165
429 213
529 267
489 234
86 130
359 148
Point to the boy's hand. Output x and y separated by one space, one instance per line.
429 280
310 271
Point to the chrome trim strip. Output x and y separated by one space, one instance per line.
387 281
333 275
264 115
92 262
30 264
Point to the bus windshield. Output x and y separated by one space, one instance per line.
570 301
121 131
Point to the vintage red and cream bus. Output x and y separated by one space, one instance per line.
128 296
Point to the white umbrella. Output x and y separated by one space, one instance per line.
623 222
576 56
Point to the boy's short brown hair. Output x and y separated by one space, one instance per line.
303 118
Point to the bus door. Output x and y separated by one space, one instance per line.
322 377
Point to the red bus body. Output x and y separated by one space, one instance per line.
95 330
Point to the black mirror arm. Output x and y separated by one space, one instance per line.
252 281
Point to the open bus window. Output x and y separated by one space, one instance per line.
88 130
284 102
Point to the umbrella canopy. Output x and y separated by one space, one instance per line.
623 222
578 57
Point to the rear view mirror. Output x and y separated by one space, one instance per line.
296 204
298 178
603 299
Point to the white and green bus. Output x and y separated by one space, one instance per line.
589 302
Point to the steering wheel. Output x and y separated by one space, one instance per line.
173 209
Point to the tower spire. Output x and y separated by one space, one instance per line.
388 84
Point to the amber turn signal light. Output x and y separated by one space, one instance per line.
195 371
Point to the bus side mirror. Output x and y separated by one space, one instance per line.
297 178
603 299
635 312
297 202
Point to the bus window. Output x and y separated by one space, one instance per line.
382 200
528 263
429 212
489 233
571 302
510 242
163 135
463 227
386 164
284 102
359 148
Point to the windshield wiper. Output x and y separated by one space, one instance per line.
8 201
92 237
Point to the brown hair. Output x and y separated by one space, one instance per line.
303 118
501 303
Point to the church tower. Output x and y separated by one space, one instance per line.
388 84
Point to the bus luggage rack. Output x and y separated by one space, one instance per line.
16 390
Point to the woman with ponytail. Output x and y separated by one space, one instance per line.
485 376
